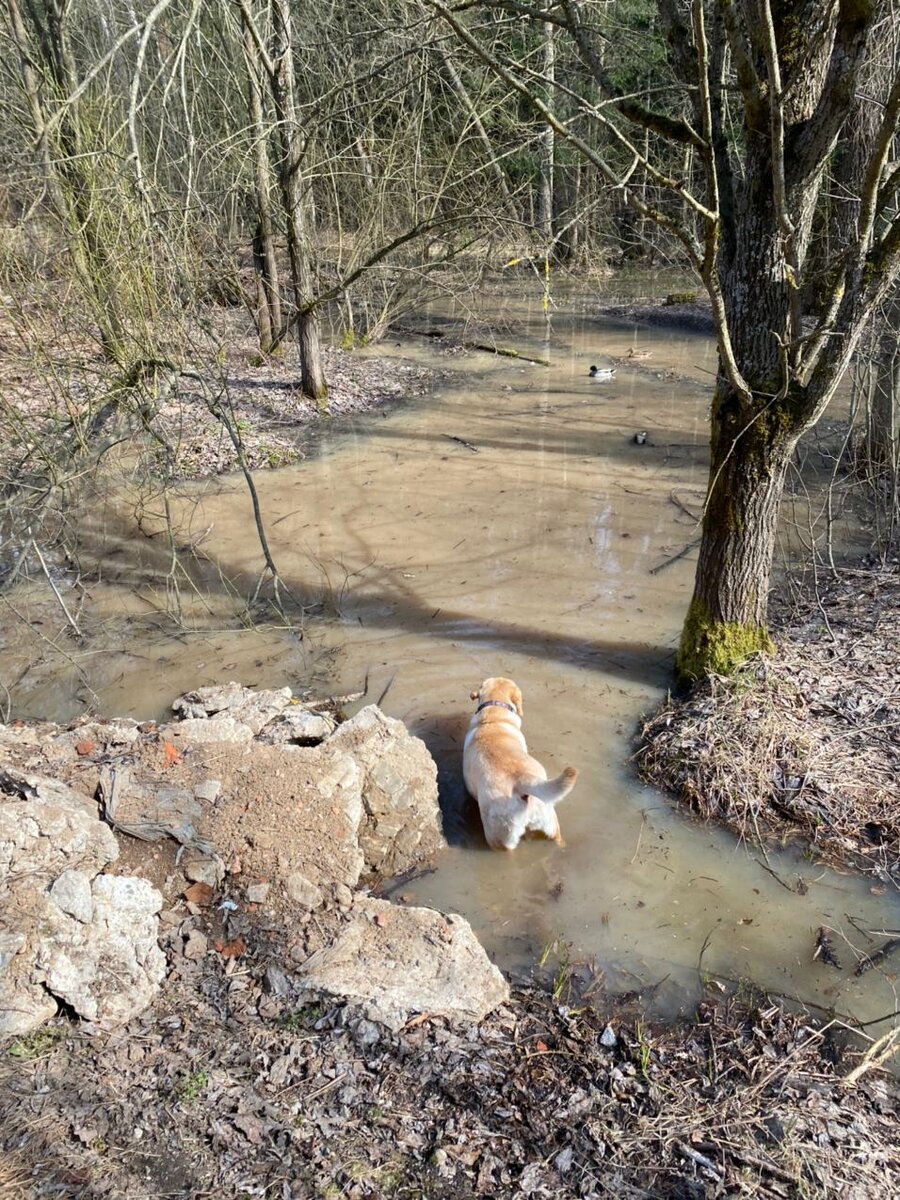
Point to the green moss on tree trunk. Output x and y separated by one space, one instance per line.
716 647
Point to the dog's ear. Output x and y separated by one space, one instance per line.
516 698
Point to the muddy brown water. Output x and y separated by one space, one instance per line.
507 524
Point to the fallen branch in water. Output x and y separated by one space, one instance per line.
872 960
675 557
453 438
506 352
503 351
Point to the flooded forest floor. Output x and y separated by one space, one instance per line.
224 1088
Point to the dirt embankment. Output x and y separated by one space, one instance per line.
227 1088
685 312
804 745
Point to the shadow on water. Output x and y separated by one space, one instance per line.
537 557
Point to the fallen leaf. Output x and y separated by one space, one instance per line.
170 755
541 1047
232 949
84 748
199 893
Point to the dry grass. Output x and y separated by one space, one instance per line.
805 744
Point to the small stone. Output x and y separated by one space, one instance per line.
208 790
196 945
276 982
72 893
302 891
366 1033
200 894
608 1038
257 893
205 870
343 895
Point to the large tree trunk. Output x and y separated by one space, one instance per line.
726 621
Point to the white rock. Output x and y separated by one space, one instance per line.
302 891
398 961
257 892
213 729
71 892
110 970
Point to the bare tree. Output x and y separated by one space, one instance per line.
767 87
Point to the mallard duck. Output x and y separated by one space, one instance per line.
637 355
599 374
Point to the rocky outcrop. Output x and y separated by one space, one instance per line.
68 932
402 820
276 806
395 962
331 802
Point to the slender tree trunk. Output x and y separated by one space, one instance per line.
548 143
265 260
65 166
478 125
883 398
291 180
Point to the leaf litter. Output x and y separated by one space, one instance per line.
803 745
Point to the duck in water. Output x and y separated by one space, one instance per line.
599 374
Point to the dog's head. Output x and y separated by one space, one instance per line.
498 688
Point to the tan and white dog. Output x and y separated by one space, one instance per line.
512 789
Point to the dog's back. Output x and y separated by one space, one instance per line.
512 789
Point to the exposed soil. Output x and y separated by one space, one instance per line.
691 316
805 744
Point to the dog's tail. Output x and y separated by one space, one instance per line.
551 791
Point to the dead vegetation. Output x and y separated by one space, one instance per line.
183 419
805 744
232 1087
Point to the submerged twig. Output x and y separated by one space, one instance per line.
872 960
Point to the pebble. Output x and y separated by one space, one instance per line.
303 891
205 870
257 893
196 945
